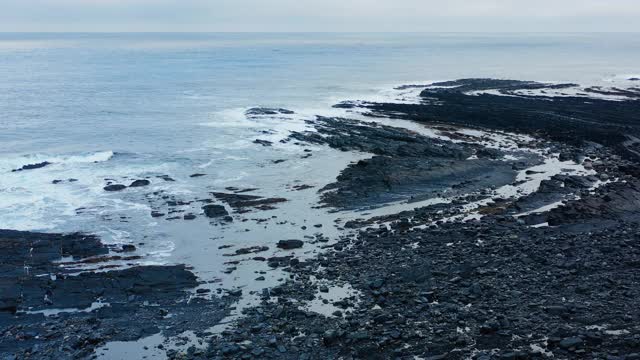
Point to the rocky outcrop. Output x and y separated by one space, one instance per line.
93 307
140 183
32 166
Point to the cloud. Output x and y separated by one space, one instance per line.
315 15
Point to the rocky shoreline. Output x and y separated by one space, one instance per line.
493 287
50 312
486 273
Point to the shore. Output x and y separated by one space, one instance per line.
517 238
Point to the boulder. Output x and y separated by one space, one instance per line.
114 187
128 248
139 183
214 211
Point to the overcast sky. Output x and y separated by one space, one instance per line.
320 15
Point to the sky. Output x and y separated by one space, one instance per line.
320 16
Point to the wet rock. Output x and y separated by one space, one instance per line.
404 163
290 244
249 250
376 284
268 111
128 247
572 342
330 337
240 202
263 142
32 166
47 286
140 183
114 187
214 211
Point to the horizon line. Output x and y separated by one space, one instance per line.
319 32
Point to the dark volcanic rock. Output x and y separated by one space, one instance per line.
568 119
406 164
215 211
493 288
31 279
114 187
242 201
290 244
616 201
140 183
128 248
263 142
32 166
268 111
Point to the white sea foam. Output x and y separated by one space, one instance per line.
576 91
53 312
32 201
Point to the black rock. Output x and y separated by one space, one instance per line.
128 248
139 183
114 187
189 217
214 211
376 284
290 244
32 166
572 342
268 111
263 142
330 337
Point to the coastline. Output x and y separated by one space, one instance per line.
480 274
